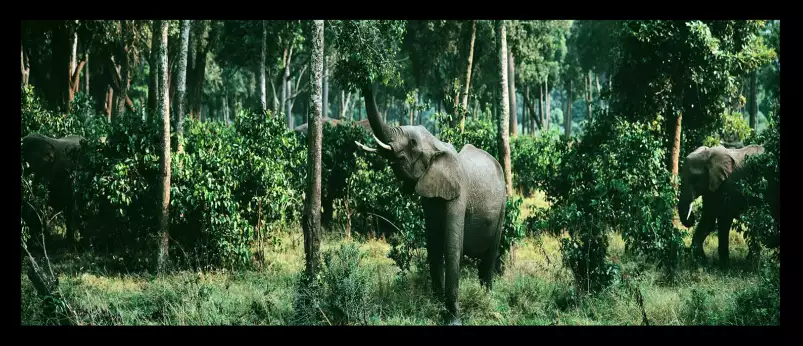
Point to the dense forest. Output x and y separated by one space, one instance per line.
196 172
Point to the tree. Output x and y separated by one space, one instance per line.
160 51
263 101
181 81
312 217
504 140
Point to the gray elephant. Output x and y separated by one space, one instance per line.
463 196
712 173
51 161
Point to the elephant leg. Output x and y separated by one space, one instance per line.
435 258
491 262
723 232
703 229
453 251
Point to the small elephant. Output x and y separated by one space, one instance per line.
51 161
463 196
712 173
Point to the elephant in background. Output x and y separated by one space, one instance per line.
712 173
51 161
463 196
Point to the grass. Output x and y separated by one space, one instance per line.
369 289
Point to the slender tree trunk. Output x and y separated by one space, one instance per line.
511 81
263 99
548 105
753 100
567 122
86 73
312 219
588 94
676 151
74 53
596 79
325 96
160 51
504 104
26 67
468 73
524 112
109 102
122 93
181 81
541 107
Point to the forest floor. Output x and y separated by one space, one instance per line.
536 290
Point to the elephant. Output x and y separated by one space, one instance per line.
712 173
463 195
51 161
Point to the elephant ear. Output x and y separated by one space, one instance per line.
720 167
441 179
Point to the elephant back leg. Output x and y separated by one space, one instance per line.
723 234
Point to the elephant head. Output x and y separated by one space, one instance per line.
49 158
422 162
704 172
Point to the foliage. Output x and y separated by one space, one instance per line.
734 129
613 180
536 160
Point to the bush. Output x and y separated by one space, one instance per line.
340 297
536 160
615 179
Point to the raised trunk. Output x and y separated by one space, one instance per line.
263 98
567 120
514 126
753 100
378 127
676 151
181 81
468 73
160 51
504 141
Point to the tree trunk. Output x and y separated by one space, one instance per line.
524 112
86 73
181 81
541 107
263 99
511 81
125 73
504 103
676 151
287 88
599 89
468 73
548 105
109 102
312 217
74 53
588 94
325 86
753 100
26 66
567 120
160 51
61 71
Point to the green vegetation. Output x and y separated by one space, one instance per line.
602 114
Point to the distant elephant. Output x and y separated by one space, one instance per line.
712 173
337 179
463 196
51 161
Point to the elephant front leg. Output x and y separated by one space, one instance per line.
435 259
704 228
723 234
453 252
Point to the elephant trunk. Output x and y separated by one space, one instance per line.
382 131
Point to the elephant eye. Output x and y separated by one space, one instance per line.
413 142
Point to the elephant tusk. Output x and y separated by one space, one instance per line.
689 214
383 145
363 147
